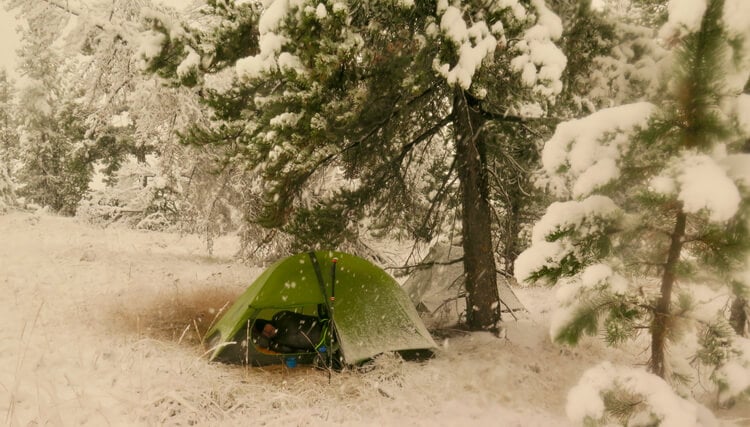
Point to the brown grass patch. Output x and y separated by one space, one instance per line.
180 315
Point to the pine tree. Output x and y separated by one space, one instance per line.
655 202
607 64
43 150
120 113
613 53
400 97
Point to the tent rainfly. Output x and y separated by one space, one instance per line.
436 287
370 313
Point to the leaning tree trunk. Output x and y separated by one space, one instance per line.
660 324
482 299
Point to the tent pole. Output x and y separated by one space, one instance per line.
328 302
334 261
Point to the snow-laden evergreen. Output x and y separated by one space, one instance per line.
398 98
655 208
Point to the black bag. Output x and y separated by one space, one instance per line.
298 331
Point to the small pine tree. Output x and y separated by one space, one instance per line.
656 204
51 129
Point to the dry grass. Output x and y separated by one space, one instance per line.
180 315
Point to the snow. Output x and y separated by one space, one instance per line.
598 5
518 10
189 64
531 110
289 62
98 330
709 302
705 185
581 155
150 44
737 167
66 32
585 400
102 325
452 23
735 374
736 17
600 173
662 185
286 119
121 120
551 23
570 292
270 42
220 82
442 6
339 7
585 216
702 182
684 16
540 61
599 273
736 377
474 44
536 257
562 215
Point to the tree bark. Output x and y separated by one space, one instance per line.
482 298
661 322
738 316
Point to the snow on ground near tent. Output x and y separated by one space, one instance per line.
99 328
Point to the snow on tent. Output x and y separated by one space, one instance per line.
436 287
371 313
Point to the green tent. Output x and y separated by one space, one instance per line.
371 313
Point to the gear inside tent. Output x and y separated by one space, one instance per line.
436 287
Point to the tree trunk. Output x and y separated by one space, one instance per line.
738 316
660 324
482 299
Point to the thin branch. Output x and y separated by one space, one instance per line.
510 118
504 274
441 192
426 264
77 13
394 113
404 150
425 135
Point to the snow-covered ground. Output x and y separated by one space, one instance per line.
101 327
